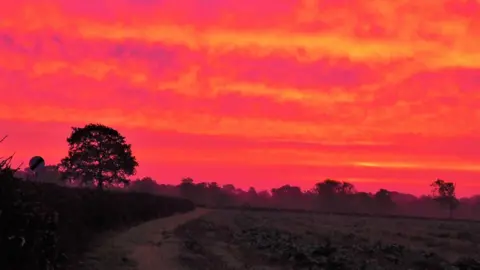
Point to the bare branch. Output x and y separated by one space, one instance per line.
20 165
3 139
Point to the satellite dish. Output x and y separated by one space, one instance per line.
36 163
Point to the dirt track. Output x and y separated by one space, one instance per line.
149 246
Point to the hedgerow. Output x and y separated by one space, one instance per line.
46 226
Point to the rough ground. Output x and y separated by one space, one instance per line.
241 240
246 240
149 246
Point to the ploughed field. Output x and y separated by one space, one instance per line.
239 239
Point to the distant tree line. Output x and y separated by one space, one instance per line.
325 196
99 157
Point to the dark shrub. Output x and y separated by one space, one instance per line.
45 226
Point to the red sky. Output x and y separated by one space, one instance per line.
262 93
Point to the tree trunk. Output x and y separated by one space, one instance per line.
100 185
100 180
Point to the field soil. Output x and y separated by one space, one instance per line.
148 246
236 239
241 239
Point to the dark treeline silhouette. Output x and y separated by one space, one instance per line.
326 196
98 156
91 191
47 224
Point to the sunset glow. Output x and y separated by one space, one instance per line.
254 93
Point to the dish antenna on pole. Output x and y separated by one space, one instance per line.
36 165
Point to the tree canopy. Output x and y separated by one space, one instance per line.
444 193
97 155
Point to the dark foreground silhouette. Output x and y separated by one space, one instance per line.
46 226
326 196
48 218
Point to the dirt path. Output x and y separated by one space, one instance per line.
149 246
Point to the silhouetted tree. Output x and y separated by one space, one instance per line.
347 188
217 196
146 185
326 192
187 180
444 193
332 193
384 201
328 187
363 201
187 188
264 197
229 188
251 197
98 154
287 196
345 197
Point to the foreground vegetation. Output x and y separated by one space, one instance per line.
46 226
99 157
280 240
